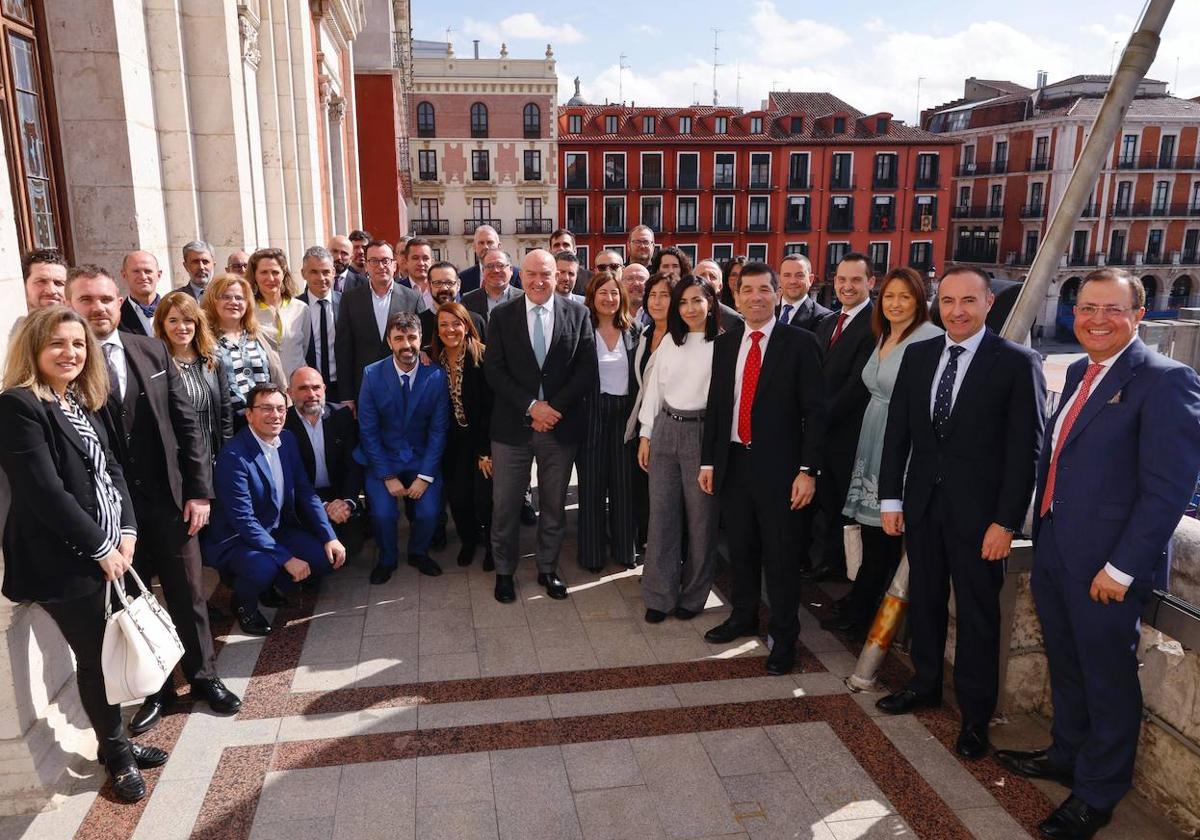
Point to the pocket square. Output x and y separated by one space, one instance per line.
1116 399
160 373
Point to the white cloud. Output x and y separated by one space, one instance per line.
524 26
646 29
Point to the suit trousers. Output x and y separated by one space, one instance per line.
164 550
352 532
81 621
766 538
669 580
606 517
880 559
254 571
832 486
468 493
510 477
937 556
1091 649
422 516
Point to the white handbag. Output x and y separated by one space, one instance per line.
852 539
141 647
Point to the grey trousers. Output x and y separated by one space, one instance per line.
510 477
667 582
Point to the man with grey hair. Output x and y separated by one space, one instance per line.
497 284
710 271
237 263
633 278
321 325
485 239
641 245
198 266
796 308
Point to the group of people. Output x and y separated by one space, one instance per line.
257 426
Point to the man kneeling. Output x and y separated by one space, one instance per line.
268 523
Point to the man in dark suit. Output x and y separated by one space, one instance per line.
323 301
327 436
140 275
443 281
1118 466
497 285
847 341
485 239
363 316
269 526
155 434
762 440
796 308
540 362
963 434
198 266
345 276
359 239
563 240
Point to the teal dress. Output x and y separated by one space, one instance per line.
879 375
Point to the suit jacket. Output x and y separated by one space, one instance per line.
51 531
842 367
807 315
245 505
312 336
358 342
397 436
787 417
470 279
476 301
565 377
130 322
581 280
351 279
157 437
986 459
220 405
429 325
341 437
1128 467
477 401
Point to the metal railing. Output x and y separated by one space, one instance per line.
469 225
534 226
432 227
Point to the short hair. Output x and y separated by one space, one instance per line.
646 228
562 232
197 246
621 319
912 278
45 256
567 257
759 268
21 366
87 271
685 263
402 321
676 326
317 252
855 256
263 389
1118 275
800 258
485 227
378 243
417 241
360 236
966 269
288 287
497 251
443 265
616 254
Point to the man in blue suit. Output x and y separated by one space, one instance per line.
1117 468
403 415
268 523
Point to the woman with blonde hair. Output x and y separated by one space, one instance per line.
71 527
183 327
247 358
282 317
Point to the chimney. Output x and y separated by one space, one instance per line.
476 42
1041 79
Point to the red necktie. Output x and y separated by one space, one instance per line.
749 385
837 331
1084 388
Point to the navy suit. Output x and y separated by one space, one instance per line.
1125 473
469 279
239 538
405 437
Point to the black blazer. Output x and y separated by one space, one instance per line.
357 342
807 315
218 395
429 325
130 322
341 437
352 280
788 415
986 461
565 377
154 428
51 531
310 352
842 367
470 279
477 400
476 301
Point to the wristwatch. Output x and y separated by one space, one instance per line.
811 472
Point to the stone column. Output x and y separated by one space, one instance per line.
336 109
306 110
248 27
268 128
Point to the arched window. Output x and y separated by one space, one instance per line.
479 122
426 126
533 121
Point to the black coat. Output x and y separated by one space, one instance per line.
806 316
51 532
788 415
471 279
341 438
357 342
476 301
130 322
477 401
220 404
846 395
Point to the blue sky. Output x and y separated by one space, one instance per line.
869 53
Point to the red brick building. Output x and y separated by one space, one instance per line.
806 173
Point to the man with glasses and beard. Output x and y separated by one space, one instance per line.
443 282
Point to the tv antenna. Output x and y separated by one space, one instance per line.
716 49
738 89
621 68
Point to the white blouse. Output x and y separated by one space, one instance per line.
613 365
679 378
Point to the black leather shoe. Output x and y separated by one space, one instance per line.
272 597
1033 764
1074 820
252 622
903 702
555 588
528 514
150 712
655 616
466 554
439 537
727 631
840 606
782 660
424 564
381 574
972 742
843 623
144 757
127 782
506 593
219 698
816 573
684 614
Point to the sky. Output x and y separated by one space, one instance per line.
876 56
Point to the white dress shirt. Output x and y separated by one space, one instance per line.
383 307
270 450
613 366
314 317
679 378
409 378
743 352
547 319
147 322
117 357
316 438
850 313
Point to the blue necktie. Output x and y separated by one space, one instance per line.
404 392
786 315
943 400
539 342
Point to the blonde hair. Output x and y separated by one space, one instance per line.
21 370
189 310
216 288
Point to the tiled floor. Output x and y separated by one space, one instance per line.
424 709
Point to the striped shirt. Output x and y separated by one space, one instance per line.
108 499
196 386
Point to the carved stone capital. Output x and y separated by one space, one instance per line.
248 28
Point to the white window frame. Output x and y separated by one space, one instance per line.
624 213
678 200
717 245
849 152
720 125
587 170
624 169
678 158
766 199
689 249
641 209
770 166
662 169
587 218
688 129
807 169
766 251
714 169
888 244
733 214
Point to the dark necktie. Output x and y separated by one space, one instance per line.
786 315
749 386
324 360
404 392
943 401
114 381
837 331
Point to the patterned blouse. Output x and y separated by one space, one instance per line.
196 386
108 498
246 363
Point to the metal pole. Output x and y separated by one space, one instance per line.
1135 62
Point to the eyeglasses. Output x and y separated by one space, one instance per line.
609 266
380 261
231 299
270 409
238 266
443 284
1089 310
496 266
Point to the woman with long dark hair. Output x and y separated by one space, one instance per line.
733 272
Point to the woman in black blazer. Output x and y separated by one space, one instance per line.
70 527
467 462
181 324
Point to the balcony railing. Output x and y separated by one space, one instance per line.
686 227
1039 164
469 225
837 225
687 182
1083 259
799 182
1153 160
432 227
724 183
1033 211
533 226
888 183
882 224
533 174
979 211
1117 256
614 227
758 227
577 226
576 183
653 182
426 175
614 184
842 184
761 184
722 225
984 167
927 182
1150 208
797 225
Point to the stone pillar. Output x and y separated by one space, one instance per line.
281 67
248 28
268 127
307 114
335 108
